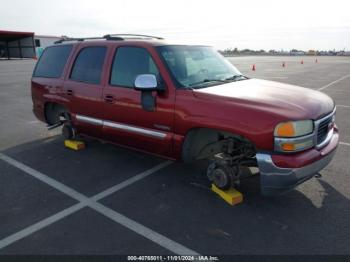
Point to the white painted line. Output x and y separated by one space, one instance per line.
40 225
44 178
343 106
277 77
130 181
334 82
60 215
90 202
344 144
143 231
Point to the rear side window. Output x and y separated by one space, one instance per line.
52 61
88 65
129 62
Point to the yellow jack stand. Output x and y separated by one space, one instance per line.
75 145
231 196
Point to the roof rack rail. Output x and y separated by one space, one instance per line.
120 36
77 39
115 37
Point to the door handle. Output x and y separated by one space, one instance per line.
69 92
109 98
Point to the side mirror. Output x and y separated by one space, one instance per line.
146 82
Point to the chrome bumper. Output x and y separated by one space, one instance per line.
276 180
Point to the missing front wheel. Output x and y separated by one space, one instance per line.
223 175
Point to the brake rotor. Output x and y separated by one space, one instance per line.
221 178
222 175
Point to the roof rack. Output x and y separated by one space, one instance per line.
77 39
130 36
115 37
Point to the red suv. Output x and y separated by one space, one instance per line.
185 103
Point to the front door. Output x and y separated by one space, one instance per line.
126 122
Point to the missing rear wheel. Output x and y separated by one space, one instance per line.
68 132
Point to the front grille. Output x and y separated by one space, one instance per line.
323 130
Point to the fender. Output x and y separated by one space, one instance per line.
261 138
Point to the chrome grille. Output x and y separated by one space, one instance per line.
323 130
323 133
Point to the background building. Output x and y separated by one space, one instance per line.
43 41
16 45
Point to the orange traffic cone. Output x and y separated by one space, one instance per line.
302 62
253 68
316 61
283 64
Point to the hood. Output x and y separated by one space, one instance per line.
289 101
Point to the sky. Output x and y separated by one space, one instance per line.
264 24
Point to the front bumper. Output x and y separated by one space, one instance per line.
277 180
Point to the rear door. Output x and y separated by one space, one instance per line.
83 87
126 122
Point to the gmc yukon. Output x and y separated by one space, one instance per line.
185 103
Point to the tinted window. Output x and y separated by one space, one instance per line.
52 61
88 65
129 62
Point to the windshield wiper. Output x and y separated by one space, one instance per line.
236 78
207 81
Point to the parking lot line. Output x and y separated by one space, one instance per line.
334 82
129 181
277 77
343 106
44 178
40 225
91 202
165 242
344 144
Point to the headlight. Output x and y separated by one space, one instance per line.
294 128
294 136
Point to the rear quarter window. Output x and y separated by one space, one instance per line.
52 61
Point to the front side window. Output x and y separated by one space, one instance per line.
52 61
197 66
129 62
88 65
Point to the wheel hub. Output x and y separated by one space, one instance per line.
222 174
220 178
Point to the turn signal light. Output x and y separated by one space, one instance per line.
288 147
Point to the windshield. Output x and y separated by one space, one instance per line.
198 66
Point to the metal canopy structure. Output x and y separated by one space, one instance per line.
16 44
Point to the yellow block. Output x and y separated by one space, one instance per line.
75 145
231 196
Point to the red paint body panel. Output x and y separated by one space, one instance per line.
126 109
85 98
250 108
